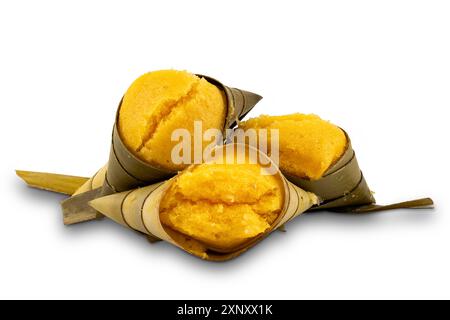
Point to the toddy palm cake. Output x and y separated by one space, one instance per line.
159 105
159 102
308 144
156 106
222 205
215 210
317 156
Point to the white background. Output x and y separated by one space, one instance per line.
379 69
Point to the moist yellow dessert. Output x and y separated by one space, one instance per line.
161 101
222 205
308 144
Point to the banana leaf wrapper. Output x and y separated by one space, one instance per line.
58 183
74 186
